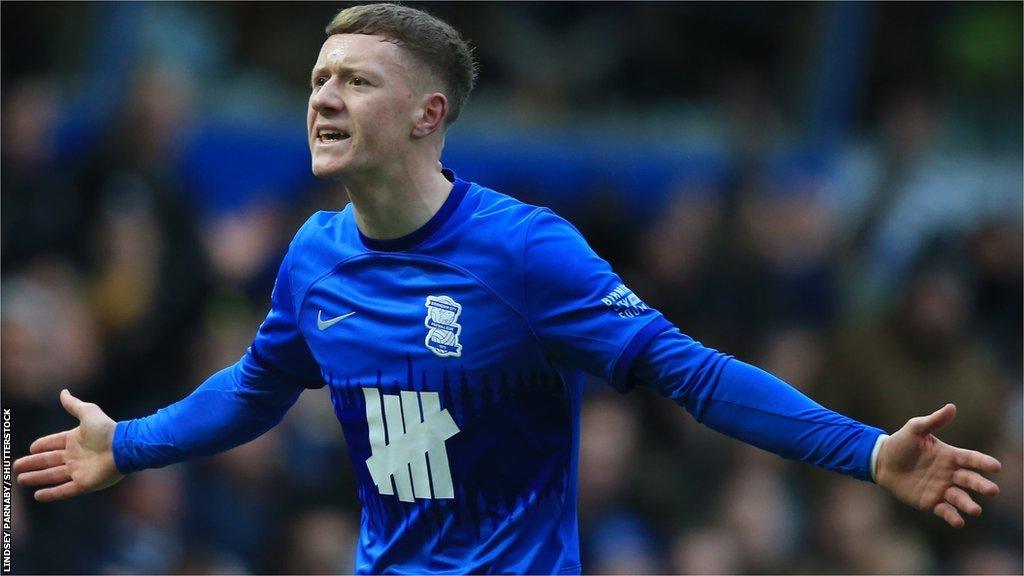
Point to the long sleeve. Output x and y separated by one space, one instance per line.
232 407
751 405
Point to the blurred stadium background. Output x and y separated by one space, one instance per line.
831 191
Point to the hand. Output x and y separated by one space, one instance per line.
74 461
931 475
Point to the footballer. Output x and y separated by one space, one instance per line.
453 325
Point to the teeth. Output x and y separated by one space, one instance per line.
330 134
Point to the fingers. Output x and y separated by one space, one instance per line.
38 461
73 405
47 477
48 443
927 424
974 481
65 490
977 461
962 501
943 510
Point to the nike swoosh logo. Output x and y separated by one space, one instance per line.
325 324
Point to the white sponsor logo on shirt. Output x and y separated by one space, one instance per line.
417 429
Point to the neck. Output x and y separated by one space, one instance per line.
389 206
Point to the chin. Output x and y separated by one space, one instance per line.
329 170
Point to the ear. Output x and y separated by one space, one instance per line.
431 115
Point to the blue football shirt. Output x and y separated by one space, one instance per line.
454 358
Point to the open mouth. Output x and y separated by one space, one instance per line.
329 135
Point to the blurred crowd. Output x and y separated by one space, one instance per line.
832 192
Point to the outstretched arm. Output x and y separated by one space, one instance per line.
231 408
751 405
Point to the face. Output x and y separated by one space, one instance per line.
363 106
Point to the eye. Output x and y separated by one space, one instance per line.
358 81
319 81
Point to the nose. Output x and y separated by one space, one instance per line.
327 100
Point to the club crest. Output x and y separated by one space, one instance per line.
442 325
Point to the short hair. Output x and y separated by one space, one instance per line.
432 41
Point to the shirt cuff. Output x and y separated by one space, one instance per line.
874 455
119 447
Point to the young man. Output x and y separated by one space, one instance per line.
452 324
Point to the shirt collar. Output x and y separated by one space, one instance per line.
416 237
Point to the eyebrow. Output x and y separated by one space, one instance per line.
344 69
